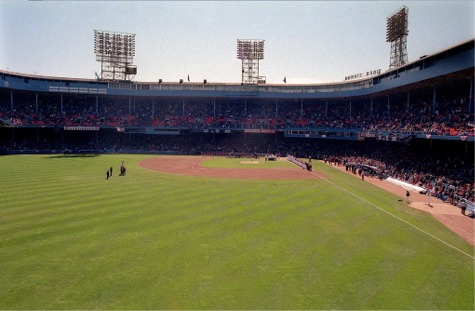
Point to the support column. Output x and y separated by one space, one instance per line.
408 102
470 97
435 108
350 108
130 104
388 111
465 158
326 109
97 105
61 104
11 100
36 102
371 107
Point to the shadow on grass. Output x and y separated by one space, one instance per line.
74 155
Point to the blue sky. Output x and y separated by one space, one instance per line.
305 41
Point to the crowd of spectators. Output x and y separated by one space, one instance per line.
446 175
452 116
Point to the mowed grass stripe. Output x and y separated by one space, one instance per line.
65 203
158 241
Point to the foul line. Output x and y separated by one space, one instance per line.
396 217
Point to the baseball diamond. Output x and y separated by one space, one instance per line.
123 194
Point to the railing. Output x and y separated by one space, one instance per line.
323 88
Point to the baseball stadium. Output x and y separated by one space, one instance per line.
121 194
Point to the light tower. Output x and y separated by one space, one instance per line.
250 52
115 51
396 33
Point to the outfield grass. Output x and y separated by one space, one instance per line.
69 239
245 163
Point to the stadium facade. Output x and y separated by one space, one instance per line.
428 99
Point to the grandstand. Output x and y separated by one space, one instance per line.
419 116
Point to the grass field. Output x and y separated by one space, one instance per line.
218 162
69 239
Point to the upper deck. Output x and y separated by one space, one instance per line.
456 60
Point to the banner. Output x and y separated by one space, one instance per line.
259 131
81 128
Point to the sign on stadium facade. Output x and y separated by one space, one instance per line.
364 74
81 128
260 131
